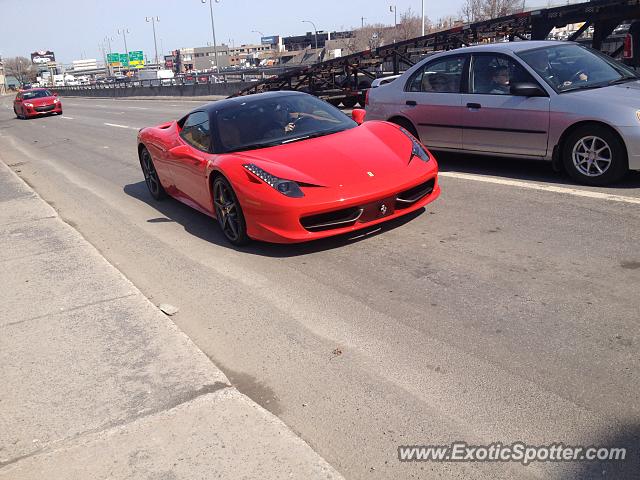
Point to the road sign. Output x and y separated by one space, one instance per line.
113 59
136 59
124 59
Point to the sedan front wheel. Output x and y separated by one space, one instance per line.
594 155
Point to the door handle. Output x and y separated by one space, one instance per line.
474 105
411 103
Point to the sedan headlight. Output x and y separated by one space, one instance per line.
28 104
285 187
416 150
56 100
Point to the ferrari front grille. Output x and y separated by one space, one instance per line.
336 219
411 196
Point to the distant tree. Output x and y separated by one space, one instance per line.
478 10
21 68
410 25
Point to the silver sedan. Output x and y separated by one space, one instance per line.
548 100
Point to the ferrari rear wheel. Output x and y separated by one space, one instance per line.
151 175
229 212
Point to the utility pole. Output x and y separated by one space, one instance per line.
423 18
124 32
314 29
153 21
213 32
362 19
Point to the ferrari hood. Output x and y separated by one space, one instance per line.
350 157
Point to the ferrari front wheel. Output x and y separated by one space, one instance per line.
151 175
229 212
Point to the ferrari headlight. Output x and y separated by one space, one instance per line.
416 150
285 187
28 104
56 100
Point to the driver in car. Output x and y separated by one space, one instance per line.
541 64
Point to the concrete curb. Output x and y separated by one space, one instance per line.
97 383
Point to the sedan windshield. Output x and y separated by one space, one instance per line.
276 120
28 95
568 67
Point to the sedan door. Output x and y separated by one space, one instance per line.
188 161
432 101
494 120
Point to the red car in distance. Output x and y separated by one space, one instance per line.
287 167
35 102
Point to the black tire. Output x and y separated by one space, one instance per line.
594 155
229 212
349 102
151 177
407 125
16 112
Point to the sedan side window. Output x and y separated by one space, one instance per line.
494 74
196 131
441 76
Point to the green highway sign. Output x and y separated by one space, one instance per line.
113 57
124 59
136 59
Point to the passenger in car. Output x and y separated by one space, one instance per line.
500 81
439 83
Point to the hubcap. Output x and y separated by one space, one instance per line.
150 174
592 156
226 211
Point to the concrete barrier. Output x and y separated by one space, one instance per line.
195 90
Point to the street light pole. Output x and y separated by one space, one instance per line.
423 18
394 9
124 32
153 21
213 32
314 29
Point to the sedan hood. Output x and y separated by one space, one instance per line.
623 93
361 154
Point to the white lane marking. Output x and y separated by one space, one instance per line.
539 186
138 108
67 118
121 126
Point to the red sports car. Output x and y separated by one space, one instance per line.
35 102
287 167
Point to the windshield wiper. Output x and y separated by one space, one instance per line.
626 79
312 135
255 146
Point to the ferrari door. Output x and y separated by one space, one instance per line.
432 101
188 161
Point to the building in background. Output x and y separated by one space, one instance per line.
308 40
86 64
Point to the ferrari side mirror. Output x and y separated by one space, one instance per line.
358 115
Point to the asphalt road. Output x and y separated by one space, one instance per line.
506 311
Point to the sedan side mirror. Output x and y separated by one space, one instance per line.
526 89
358 115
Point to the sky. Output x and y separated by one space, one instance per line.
72 29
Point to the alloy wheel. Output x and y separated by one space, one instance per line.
592 156
150 174
226 211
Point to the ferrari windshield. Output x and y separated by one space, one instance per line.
569 67
276 120
36 94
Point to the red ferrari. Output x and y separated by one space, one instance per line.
287 167
35 102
